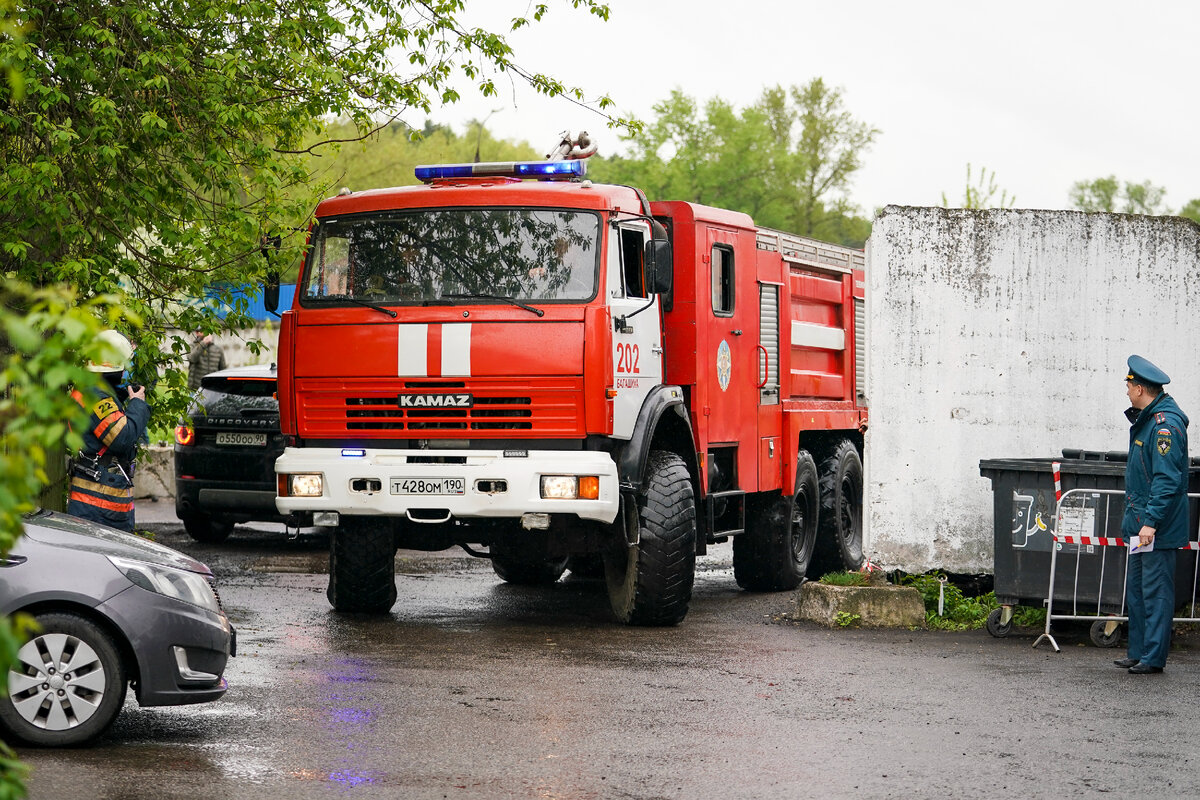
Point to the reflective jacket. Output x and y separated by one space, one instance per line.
1156 474
102 473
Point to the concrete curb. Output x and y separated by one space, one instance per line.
874 606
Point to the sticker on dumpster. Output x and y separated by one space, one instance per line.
1078 521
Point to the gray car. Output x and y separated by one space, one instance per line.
113 610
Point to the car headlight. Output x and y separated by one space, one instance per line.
179 584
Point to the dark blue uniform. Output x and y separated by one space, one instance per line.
1156 484
102 474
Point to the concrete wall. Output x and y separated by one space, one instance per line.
1004 334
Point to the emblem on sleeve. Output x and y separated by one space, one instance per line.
104 408
1164 444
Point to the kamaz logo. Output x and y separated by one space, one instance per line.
435 401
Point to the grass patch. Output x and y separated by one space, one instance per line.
961 612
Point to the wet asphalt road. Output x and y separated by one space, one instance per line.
474 689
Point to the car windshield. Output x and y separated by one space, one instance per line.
432 255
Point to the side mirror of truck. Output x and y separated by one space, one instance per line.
659 266
271 294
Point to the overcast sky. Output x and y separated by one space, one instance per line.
1041 93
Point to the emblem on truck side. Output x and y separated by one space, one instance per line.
435 401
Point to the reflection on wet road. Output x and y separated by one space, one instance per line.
476 689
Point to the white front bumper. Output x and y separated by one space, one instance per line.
522 476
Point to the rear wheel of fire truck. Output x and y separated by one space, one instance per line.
525 571
362 566
204 528
650 583
774 552
840 538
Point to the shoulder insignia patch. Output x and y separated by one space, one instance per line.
1160 418
105 407
1164 443
1164 431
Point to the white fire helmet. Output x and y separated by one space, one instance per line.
120 353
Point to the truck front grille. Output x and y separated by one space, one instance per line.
367 409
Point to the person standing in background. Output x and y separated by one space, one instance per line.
206 357
1156 514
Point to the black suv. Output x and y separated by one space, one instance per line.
225 457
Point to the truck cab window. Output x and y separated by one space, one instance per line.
633 250
722 280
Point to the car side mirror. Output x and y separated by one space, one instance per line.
660 267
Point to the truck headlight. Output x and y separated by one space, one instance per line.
570 487
301 485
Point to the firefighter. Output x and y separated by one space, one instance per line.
1156 513
102 473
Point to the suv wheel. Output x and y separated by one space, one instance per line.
204 528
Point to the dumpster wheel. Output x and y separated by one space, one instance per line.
997 625
1106 633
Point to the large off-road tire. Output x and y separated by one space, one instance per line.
67 685
362 566
774 552
840 534
204 528
650 583
525 571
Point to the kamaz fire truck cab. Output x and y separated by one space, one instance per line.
547 371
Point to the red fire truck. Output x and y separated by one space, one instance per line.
559 374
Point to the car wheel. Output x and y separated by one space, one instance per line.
204 528
66 686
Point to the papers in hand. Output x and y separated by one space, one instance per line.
1134 547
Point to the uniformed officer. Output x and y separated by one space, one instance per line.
102 473
1156 513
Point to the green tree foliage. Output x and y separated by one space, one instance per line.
787 160
1191 210
147 147
387 157
1113 196
983 192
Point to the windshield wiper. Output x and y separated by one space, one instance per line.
362 303
517 303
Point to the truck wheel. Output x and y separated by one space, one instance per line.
650 583
589 566
840 538
204 528
66 686
774 552
526 571
362 566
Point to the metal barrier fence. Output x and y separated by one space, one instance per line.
1080 513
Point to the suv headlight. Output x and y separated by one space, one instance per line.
189 587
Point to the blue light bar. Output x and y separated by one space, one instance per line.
353 452
546 170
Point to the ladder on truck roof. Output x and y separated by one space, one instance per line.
811 252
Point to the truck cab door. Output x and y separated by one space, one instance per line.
729 361
637 329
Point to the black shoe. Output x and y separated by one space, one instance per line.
1125 663
1144 669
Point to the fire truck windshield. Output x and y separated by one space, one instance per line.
444 255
